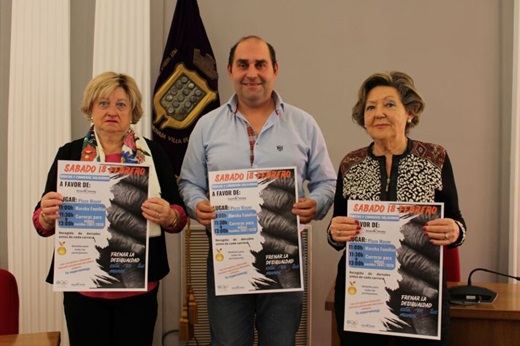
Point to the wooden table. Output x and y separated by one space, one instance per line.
32 339
496 324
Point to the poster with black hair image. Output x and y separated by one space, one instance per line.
256 239
393 272
101 239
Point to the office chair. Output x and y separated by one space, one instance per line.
9 303
451 265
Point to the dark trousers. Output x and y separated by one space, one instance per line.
111 322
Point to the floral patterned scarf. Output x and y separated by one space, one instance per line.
136 151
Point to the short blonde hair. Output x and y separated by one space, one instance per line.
403 83
104 84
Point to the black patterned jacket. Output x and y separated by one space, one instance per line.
423 173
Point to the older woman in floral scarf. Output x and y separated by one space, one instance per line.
118 315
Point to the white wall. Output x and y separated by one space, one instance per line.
5 31
457 51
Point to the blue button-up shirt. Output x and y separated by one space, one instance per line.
289 137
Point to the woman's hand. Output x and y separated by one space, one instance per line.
343 228
159 211
50 205
442 231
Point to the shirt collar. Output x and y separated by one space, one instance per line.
279 104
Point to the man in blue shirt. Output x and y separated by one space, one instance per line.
256 129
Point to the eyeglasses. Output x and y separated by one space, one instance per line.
120 105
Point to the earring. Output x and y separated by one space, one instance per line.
409 121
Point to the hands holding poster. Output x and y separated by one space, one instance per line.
255 238
101 238
393 272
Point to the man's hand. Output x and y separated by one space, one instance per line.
205 213
305 208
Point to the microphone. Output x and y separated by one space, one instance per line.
475 294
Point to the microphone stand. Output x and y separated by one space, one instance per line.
475 294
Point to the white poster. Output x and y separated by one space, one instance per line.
255 238
101 240
393 272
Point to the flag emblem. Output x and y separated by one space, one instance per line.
181 99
